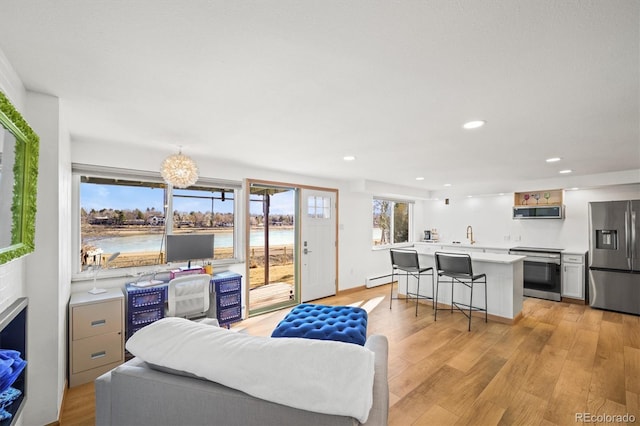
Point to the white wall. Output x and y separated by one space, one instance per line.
492 223
42 275
13 274
356 259
48 269
12 281
64 249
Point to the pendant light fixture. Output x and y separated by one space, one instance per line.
179 170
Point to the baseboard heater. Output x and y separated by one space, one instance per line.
377 280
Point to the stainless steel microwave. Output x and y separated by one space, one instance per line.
538 212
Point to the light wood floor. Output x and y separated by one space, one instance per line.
559 360
269 295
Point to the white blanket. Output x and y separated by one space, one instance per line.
315 375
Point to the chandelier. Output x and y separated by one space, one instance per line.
179 171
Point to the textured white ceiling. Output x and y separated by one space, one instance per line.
296 85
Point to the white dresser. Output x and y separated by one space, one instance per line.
96 334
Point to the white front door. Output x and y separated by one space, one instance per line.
318 244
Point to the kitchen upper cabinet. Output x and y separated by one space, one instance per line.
544 204
573 276
544 197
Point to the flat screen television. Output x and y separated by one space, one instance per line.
183 248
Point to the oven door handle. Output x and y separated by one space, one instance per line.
542 260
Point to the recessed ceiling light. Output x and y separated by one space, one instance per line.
574 189
502 193
419 178
564 172
553 159
474 124
447 184
349 158
469 196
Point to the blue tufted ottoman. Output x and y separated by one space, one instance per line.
341 323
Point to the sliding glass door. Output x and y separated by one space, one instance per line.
272 247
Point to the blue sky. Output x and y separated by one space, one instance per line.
119 197
281 203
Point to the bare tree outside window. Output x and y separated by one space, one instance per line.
390 222
400 222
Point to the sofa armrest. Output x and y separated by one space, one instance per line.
103 394
135 394
141 395
379 414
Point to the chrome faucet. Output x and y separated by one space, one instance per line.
470 234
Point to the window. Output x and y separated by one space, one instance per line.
319 207
207 210
118 213
121 216
391 222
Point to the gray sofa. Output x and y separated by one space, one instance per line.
136 394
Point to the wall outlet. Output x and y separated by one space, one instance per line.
507 237
518 238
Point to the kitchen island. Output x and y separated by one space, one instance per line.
504 280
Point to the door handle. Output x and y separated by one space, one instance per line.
627 239
632 248
306 251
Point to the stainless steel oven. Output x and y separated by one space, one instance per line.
542 273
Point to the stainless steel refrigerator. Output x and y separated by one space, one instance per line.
614 255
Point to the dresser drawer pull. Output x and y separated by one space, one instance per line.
98 323
99 355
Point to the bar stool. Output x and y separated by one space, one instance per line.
457 266
407 261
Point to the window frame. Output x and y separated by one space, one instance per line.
410 224
151 178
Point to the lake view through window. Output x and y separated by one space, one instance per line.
133 218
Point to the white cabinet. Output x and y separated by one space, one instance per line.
96 334
573 275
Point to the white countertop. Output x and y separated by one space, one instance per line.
494 246
485 257
491 246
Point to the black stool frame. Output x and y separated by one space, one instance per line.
457 266
407 261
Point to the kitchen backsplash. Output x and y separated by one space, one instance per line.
492 223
